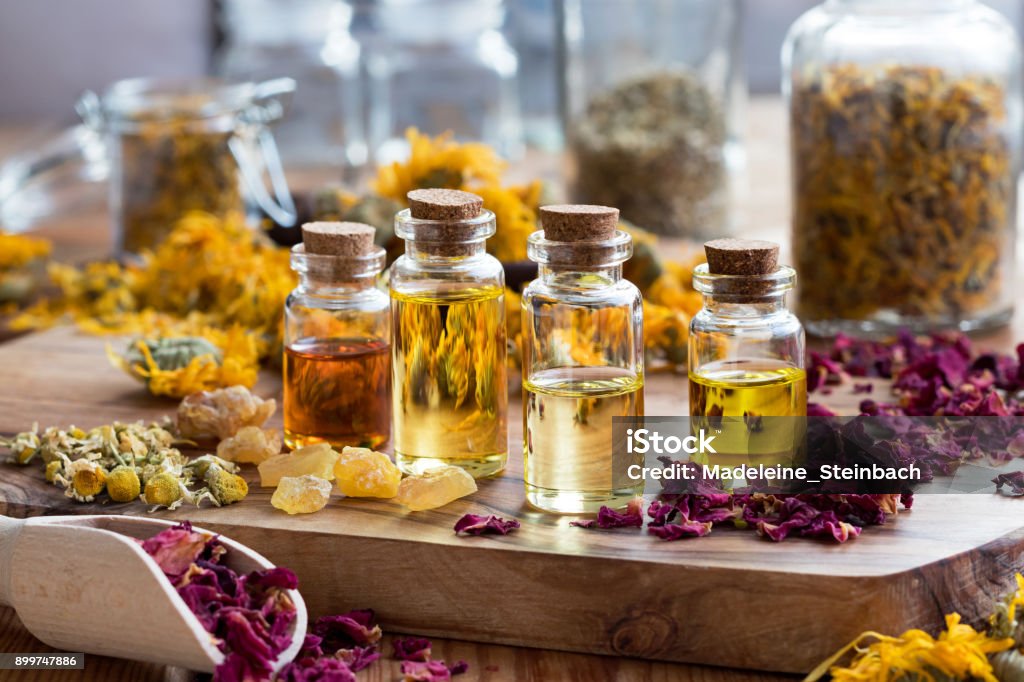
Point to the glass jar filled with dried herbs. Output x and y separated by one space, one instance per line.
180 146
651 93
905 129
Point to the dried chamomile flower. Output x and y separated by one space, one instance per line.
83 479
221 413
165 490
361 472
225 487
53 469
435 488
301 494
317 460
201 465
23 446
251 445
123 484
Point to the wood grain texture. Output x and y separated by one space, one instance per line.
487 663
550 585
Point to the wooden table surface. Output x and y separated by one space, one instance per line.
762 210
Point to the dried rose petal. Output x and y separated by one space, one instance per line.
325 669
610 518
678 531
176 549
358 657
474 524
412 648
431 671
1014 481
347 630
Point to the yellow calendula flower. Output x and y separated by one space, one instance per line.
515 215
179 366
18 250
438 162
959 652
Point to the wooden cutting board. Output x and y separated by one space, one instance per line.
729 599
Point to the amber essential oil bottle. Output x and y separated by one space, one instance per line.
337 355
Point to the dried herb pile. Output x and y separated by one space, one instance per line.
654 148
903 194
171 166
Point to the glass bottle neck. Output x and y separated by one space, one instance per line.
747 308
310 285
431 252
590 276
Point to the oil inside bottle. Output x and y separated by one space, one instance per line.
570 463
750 390
450 393
337 391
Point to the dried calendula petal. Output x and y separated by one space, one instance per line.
221 413
317 460
301 494
361 472
251 445
435 488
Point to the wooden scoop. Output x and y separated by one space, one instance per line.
80 584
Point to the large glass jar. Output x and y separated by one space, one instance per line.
442 66
192 145
337 341
905 126
651 101
582 361
309 41
449 347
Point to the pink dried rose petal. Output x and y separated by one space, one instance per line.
359 657
678 531
176 549
347 630
1014 482
474 524
325 669
412 648
431 671
610 518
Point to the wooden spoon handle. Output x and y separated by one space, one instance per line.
9 530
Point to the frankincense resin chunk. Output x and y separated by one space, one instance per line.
435 488
301 494
361 472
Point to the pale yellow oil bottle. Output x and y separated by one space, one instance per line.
754 407
569 456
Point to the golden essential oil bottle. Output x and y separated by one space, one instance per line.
337 355
582 361
450 399
746 355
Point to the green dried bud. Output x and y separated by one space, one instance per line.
173 353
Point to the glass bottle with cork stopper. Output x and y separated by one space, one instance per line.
449 352
746 351
337 374
582 360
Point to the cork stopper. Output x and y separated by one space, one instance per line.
741 257
344 244
578 222
338 239
447 205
